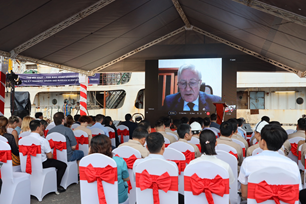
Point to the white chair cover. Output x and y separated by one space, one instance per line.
241 145
292 141
125 137
24 134
226 148
3 139
301 166
126 152
16 185
111 131
290 131
232 161
256 151
83 147
71 173
216 130
146 196
74 125
209 170
194 140
43 181
96 131
50 126
273 176
169 133
167 142
89 191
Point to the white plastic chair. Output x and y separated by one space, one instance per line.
273 176
71 173
146 196
241 145
169 133
167 142
126 152
232 161
24 134
3 139
216 130
16 185
112 135
290 131
208 170
175 155
89 191
126 137
227 149
74 125
96 131
80 134
301 167
43 181
294 141
49 127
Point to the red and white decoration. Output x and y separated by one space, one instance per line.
83 79
3 70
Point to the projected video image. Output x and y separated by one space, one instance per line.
190 85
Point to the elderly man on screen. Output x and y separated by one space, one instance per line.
190 98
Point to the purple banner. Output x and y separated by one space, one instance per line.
58 79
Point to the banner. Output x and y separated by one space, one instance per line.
56 79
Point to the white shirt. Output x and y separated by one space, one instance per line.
195 107
267 159
44 144
219 162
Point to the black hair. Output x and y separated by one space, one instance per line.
99 118
206 121
275 123
145 124
184 120
34 124
107 121
140 132
265 118
183 129
38 114
159 123
274 135
208 142
234 123
155 142
177 123
302 124
167 121
200 121
128 117
240 122
44 123
192 120
58 118
76 117
213 116
226 129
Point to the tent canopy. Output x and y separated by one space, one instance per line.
98 36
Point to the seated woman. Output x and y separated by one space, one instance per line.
12 124
102 144
69 121
84 121
208 143
108 122
25 125
11 140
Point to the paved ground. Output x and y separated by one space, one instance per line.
70 196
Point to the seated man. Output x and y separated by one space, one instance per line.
207 123
156 146
138 140
167 122
99 119
130 124
146 125
213 119
258 128
160 127
59 121
196 129
185 134
39 116
46 153
226 130
241 131
272 138
236 136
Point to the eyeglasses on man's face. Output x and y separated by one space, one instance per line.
191 84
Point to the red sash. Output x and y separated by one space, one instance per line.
166 145
199 146
264 191
232 153
181 164
294 149
5 155
163 182
300 155
94 135
46 132
197 185
81 140
91 174
243 152
111 135
189 156
122 133
29 151
55 145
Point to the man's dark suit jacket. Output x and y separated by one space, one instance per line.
216 125
132 126
174 102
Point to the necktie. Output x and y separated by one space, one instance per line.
190 105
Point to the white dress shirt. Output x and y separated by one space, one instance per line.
44 144
195 107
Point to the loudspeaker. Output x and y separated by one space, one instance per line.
22 104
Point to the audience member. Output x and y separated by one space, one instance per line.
25 125
102 144
265 118
275 123
195 129
46 153
146 125
184 120
272 138
69 121
241 131
39 116
167 122
84 121
12 124
213 119
207 123
176 124
185 134
59 121
208 143
138 141
99 119
300 129
18 127
257 135
44 125
11 140
76 119
160 127
236 136
108 122
200 121
226 130
129 123
193 119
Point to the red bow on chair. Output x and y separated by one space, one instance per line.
111 135
91 174
300 155
46 132
122 133
189 156
5 155
197 185
199 146
263 191
232 153
163 182
55 145
243 152
294 147
29 151
166 145
181 164
81 140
